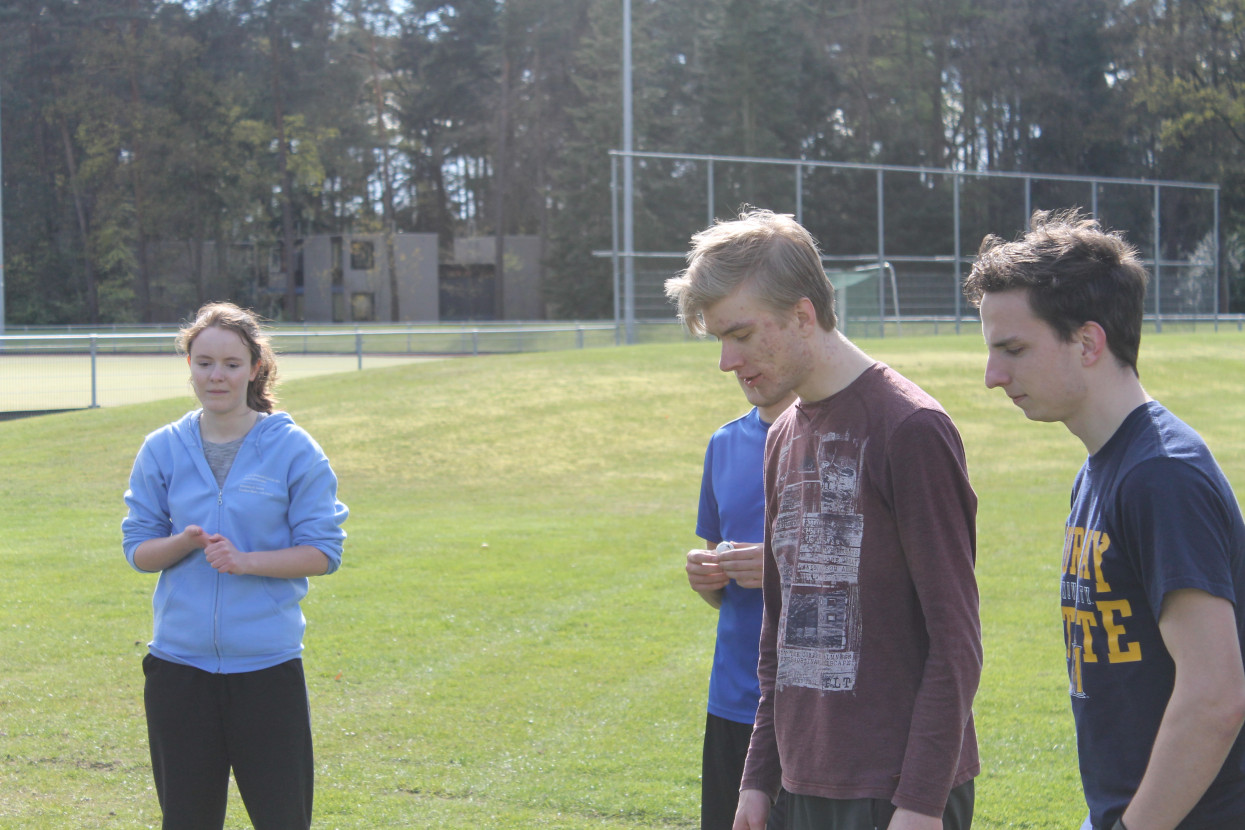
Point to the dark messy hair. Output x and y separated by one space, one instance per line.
1074 272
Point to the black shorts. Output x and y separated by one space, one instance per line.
722 767
809 812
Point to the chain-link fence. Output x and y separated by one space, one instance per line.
924 223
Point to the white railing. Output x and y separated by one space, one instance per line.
53 371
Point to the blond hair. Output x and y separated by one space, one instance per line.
772 252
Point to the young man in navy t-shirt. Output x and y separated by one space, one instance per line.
1153 570
732 511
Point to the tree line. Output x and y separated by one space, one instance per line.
129 125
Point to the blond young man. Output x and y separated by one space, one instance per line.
870 650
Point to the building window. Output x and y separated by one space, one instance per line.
277 262
335 257
362 256
362 307
467 292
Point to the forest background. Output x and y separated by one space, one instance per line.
130 124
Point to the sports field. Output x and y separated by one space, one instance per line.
511 642
30 383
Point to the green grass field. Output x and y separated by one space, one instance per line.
511 641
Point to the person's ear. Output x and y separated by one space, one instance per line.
805 314
1092 339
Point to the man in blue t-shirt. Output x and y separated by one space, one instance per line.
732 515
1153 572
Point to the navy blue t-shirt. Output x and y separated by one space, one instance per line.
732 508
1151 513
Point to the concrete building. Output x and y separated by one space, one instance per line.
346 279
520 295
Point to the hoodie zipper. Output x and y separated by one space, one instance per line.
220 511
220 524
220 516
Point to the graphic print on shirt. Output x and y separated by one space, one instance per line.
1094 626
816 543
260 484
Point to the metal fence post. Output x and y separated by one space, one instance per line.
959 258
358 347
1158 264
614 258
1218 259
709 218
94 375
881 255
799 194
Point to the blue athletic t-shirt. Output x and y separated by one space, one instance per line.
732 508
1151 513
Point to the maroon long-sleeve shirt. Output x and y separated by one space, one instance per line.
870 643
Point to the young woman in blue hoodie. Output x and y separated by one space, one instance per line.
235 507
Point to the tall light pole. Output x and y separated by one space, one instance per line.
628 183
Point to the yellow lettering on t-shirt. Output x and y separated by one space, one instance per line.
1115 630
1101 542
1084 559
1087 620
1069 617
1083 551
1073 540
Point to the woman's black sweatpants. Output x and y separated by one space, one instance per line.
201 725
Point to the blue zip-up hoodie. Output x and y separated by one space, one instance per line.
280 492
